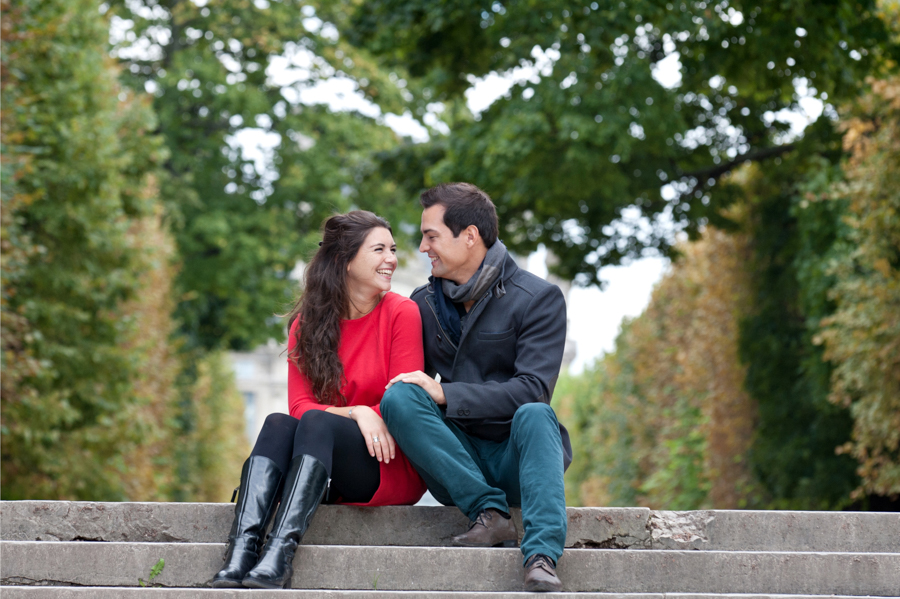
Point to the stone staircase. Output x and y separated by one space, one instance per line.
74 550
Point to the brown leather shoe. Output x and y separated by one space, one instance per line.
489 529
540 575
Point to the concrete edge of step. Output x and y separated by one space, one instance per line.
174 593
466 570
601 528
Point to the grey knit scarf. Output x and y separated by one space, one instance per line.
482 280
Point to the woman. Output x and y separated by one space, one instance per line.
349 335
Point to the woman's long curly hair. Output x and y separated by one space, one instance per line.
325 301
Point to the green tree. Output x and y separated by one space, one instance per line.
600 408
587 134
588 131
767 335
862 336
215 71
75 166
149 464
793 241
216 445
664 421
90 390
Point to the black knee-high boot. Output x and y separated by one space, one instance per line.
304 488
260 485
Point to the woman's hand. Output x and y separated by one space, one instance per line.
373 427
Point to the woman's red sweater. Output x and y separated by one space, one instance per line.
373 349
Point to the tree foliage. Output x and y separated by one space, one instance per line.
862 337
212 460
801 312
75 162
799 429
89 385
223 78
600 408
664 421
813 266
139 241
219 73
587 130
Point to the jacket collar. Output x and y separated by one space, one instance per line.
498 289
508 269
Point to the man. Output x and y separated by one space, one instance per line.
484 438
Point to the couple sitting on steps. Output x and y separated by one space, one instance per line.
360 390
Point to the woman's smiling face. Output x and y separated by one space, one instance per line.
371 269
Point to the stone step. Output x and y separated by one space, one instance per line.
464 569
603 528
167 593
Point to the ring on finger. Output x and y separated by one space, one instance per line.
375 439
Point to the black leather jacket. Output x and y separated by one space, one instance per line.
509 353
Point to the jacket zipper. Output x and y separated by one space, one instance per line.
483 297
462 329
438 320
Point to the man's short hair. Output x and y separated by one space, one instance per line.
464 205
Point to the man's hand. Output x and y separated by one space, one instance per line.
431 386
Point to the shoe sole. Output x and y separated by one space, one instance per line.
226 583
253 583
543 587
500 544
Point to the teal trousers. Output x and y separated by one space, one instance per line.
476 474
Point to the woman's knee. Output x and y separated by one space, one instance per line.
275 439
316 429
312 420
279 422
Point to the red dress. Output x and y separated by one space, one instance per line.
374 349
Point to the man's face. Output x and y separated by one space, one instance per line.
449 255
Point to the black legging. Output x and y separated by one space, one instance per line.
333 440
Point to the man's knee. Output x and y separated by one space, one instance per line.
402 401
534 418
